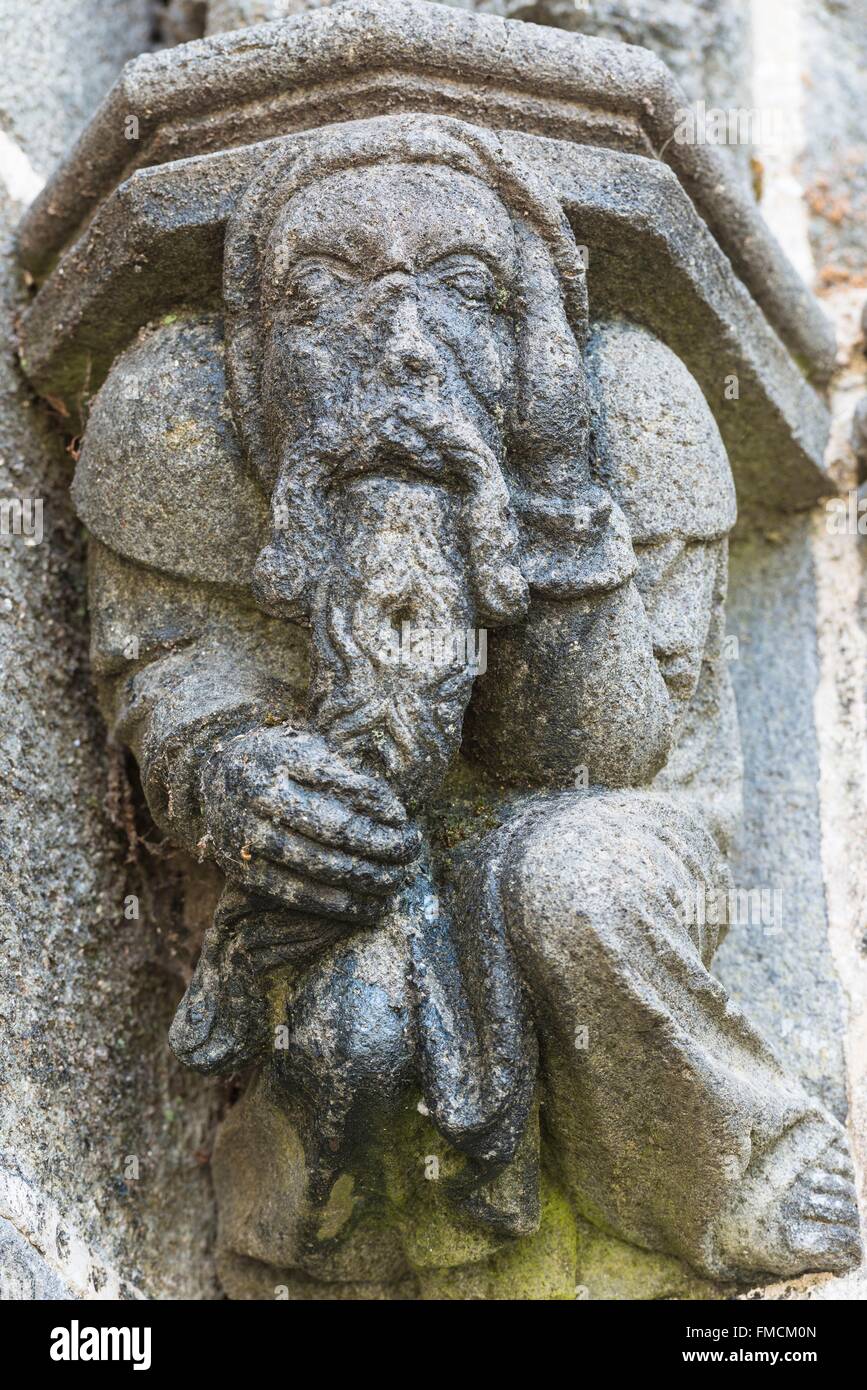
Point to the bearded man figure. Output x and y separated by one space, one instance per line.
461 910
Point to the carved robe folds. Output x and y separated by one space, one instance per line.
461 947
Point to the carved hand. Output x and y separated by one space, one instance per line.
289 818
578 546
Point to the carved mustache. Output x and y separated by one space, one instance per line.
413 438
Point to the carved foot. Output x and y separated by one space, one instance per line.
810 1223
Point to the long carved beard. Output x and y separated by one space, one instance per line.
406 544
390 625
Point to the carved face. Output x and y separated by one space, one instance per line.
665 462
678 582
388 287
389 353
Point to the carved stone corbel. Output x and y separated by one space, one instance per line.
387 336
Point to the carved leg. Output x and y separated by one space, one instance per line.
298 1164
670 1119
332 1165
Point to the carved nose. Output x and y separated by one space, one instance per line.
409 353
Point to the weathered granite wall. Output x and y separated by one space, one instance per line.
834 165
102 1193
801 676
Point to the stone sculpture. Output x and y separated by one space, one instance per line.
461 903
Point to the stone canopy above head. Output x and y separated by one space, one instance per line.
383 201
129 229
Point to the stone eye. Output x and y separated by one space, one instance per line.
473 283
310 285
309 288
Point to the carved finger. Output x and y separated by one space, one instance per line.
324 865
283 886
836 1210
836 1160
328 820
833 1184
309 761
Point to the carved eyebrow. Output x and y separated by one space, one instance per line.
660 554
321 262
345 269
465 254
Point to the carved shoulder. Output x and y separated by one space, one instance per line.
161 479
